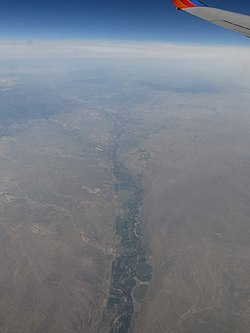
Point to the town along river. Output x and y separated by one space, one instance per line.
130 270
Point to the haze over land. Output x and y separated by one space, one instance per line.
124 188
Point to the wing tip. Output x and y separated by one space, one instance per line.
182 4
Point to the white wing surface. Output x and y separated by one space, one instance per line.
226 19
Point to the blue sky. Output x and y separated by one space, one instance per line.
155 20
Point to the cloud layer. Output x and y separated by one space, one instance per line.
122 50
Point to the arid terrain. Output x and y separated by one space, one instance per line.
57 219
124 195
56 255
196 212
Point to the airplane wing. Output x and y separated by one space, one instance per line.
226 19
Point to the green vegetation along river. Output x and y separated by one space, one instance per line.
130 270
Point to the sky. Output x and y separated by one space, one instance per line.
141 20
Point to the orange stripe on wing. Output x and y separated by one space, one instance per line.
180 4
188 3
